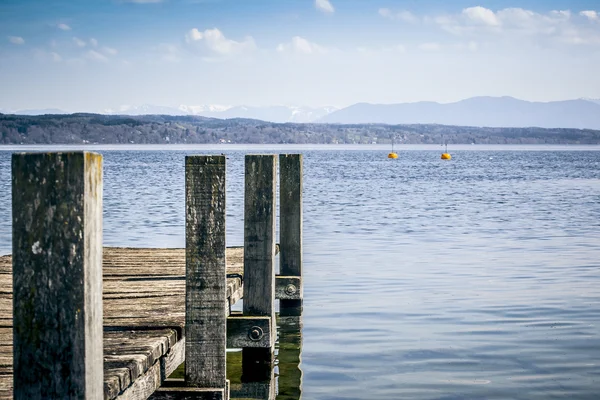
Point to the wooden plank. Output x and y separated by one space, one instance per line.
259 251
173 359
132 309
244 332
143 386
133 356
186 393
288 287
290 226
57 275
206 303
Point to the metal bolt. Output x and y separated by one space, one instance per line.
255 333
290 289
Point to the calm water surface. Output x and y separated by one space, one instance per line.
424 279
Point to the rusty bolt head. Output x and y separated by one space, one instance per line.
290 289
255 333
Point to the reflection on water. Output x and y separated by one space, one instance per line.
284 380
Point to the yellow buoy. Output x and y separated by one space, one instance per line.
393 153
445 154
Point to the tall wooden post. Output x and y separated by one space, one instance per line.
290 226
57 275
259 257
206 296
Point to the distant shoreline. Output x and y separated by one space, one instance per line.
305 147
92 129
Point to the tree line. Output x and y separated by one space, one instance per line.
157 129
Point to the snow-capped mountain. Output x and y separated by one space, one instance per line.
144 109
265 113
44 111
597 101
206 108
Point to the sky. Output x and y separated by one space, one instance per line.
93 55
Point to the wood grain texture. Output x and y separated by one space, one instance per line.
290 226
259 254
57 275
206 286
244 331
144 312
288 287
259 235
186 393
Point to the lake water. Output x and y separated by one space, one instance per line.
473 278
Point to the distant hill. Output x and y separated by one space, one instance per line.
476 111
53 111
505 112
114 129
264 113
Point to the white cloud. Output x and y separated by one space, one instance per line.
386 13
214 41
169 52
95 56
431 46
109 50
513 23
390 50
63 27
193 35
591 15
56 57
93 42
16 40
324 6
79 42
405 16
481 15
301 46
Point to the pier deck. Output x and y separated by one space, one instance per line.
144 317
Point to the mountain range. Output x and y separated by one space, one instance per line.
476 111
278 114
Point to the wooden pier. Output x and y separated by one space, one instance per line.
82 321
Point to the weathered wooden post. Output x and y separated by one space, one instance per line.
289 282
259 258
57 275
206 296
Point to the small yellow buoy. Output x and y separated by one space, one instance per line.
446 156
392 155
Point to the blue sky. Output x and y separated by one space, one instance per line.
91 55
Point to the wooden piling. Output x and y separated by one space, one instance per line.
259 256
206 297
57 275
290 228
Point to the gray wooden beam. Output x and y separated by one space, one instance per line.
57 275
290 226
244 332
259 251
288 287
206 302
187 393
